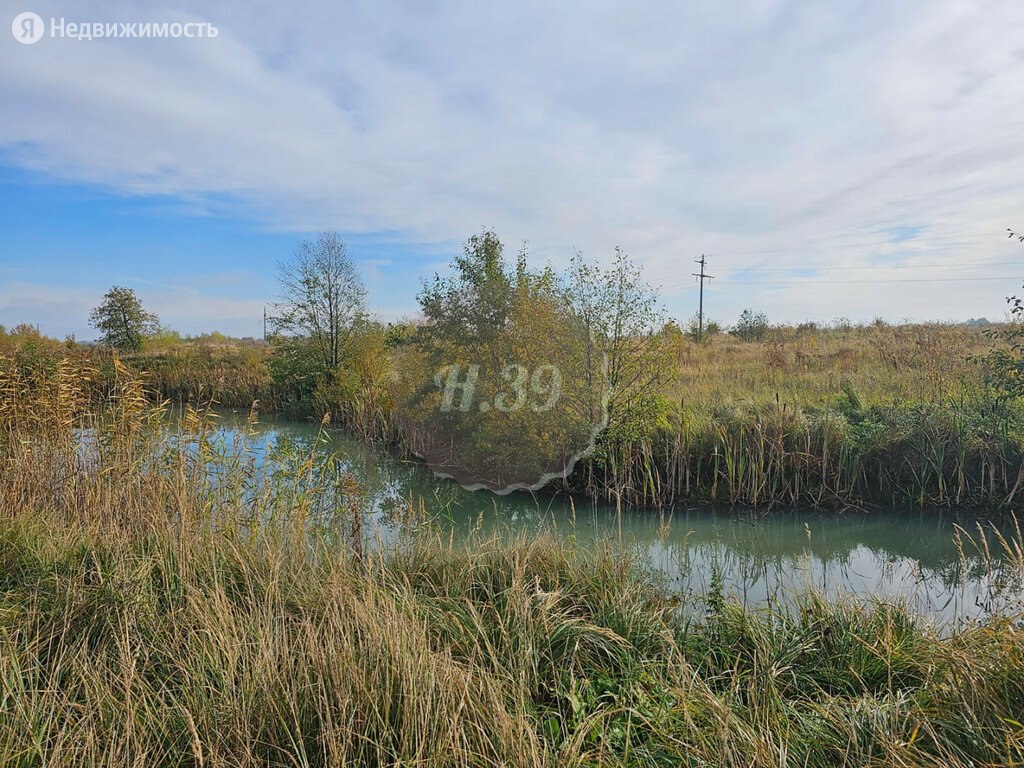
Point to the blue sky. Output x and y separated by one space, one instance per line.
854 159
65 243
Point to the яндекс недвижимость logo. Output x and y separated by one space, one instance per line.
28 27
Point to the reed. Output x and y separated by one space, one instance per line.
233 375
165 600
851 416
858 416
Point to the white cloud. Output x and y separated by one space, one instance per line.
60 309
667 128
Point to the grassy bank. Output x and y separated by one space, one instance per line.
863 415
230 372
163 603
172 650
853 416
860 416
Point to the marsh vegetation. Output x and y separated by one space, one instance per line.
165 603
833 416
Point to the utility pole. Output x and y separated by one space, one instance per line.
703 276
264 323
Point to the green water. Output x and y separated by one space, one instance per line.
911 556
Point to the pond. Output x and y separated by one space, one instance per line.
935 562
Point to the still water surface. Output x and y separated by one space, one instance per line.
912 556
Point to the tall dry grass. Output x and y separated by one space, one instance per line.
164 601
861 416
813 367
231 374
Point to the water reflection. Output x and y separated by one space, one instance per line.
916 557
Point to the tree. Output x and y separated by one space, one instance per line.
701 331
122 320
492 389
752 326
471 308
323 301
624 320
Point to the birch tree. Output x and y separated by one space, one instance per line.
323 300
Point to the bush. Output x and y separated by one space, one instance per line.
752 326
1003 364
693 329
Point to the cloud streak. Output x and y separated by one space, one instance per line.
670 130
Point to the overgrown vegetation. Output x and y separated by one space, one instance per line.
494 387
752 326
874 414
164 601
838 415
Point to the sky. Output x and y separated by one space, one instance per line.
853 159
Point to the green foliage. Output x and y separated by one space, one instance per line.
122 321
625 322
31 352
515 328
752 326
232 375
1003 364
471 307
162 339
358 395
320 331
399 333
323 301
852 404
694 332
295 371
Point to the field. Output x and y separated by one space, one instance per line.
882 364
164 604
862 416
874 415
866 416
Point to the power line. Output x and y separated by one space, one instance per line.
886 266
859 281
700 312
812 246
